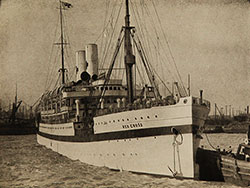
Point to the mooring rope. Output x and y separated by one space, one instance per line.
210 142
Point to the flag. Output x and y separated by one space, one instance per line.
66 5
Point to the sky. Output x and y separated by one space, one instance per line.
209 39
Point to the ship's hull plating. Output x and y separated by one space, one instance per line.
154 155
147 148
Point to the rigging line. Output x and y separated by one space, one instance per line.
107 44
119 42
210 142
68 49
69 57
152 24
150 76
48 69
112 34
140 75
51 73
38 100
149 65
119 65
71 65
167 58
141 30
59 76
136 13
107 31
154 28
104 37
141 22
157 35
50 56
104 25
105 19
53 69
122 64
167 42
113 25
148 50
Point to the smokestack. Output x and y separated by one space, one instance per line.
81 64
92 60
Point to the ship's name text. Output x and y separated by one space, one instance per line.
132 125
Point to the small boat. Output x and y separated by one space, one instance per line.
223 165
235 167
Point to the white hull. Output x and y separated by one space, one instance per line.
153 155
156 153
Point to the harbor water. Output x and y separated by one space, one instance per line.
24 163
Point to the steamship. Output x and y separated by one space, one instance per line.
101 121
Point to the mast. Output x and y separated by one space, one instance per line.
129 58
16 95
62 47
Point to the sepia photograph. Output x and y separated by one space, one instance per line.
124 93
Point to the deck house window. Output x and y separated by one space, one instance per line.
67 102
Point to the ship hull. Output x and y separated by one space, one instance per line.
151 154
160 140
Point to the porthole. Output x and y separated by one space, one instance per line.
122 119
141 117
156 116
185 101
135 118
127 119
148 117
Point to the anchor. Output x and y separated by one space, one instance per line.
176 144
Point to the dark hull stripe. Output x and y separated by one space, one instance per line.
89 137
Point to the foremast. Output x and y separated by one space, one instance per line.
62 70
129 58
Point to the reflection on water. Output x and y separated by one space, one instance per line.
24 163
